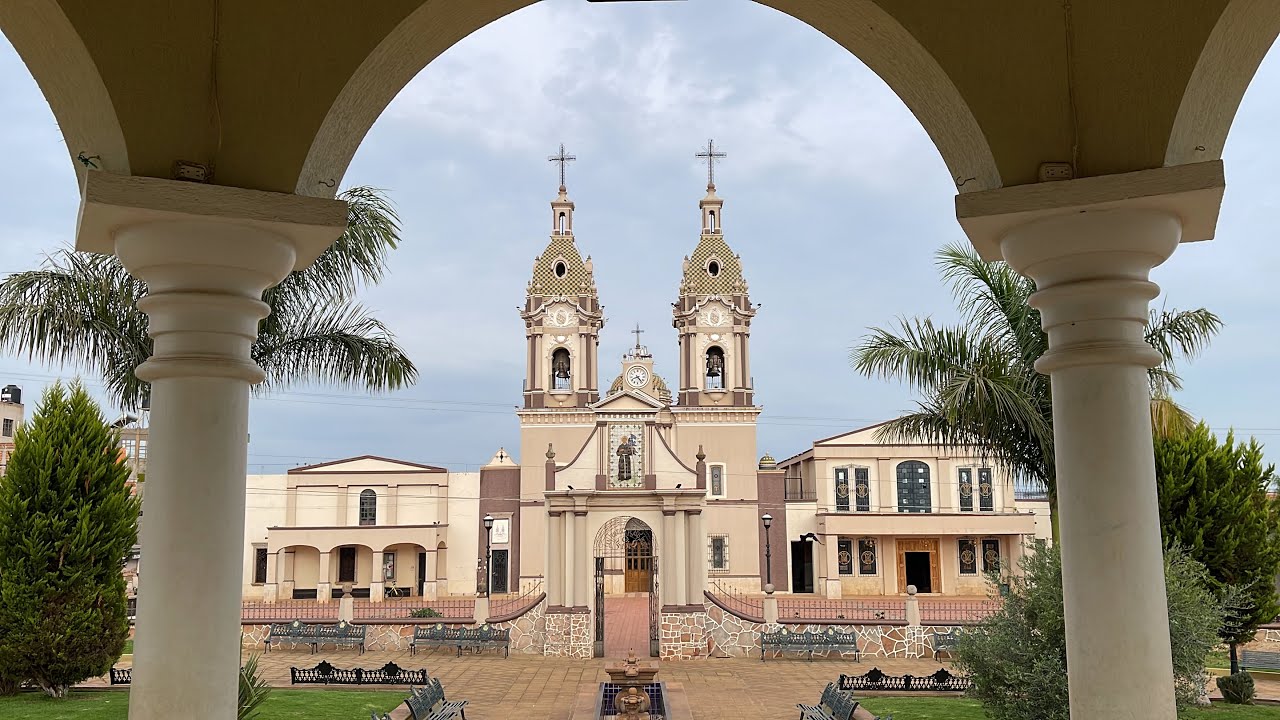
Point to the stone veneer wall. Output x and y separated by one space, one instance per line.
568 635
528 634
731 636
683 636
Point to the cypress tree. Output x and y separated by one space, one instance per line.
1216 500
67 522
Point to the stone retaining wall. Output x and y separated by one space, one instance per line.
683 636
568 635
528 634
731 636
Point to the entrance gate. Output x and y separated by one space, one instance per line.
624 550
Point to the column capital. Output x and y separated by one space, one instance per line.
1091 269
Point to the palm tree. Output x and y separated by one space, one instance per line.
82 309
978 380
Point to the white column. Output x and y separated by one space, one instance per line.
429 588
555 560
324 591
272 589
682 557
668 571
567 555
696 555
206 279
1091 269
580 571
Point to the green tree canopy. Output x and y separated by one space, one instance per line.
67 524
82 309
978 380
1215 498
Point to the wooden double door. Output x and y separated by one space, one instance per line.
919 564
637 565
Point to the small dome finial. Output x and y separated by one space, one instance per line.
701 455
551 453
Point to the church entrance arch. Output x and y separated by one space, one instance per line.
626 570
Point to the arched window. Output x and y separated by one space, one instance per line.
560 375
711 220
913 487
368 507
715 368
564 223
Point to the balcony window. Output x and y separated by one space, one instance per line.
368 507
913 487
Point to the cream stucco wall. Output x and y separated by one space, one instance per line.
463 534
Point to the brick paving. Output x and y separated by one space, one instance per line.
626 626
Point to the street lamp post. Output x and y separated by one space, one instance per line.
488 535
767 519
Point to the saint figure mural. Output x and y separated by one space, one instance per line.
626 449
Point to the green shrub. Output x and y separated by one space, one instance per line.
67 523
426 612
253 690
1017 658
1237 688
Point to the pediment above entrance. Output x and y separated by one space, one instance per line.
629 400
367 464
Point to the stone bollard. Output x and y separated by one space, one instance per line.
346 604
770 610
913 607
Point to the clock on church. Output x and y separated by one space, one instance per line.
637 376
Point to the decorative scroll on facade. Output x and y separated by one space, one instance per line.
626 456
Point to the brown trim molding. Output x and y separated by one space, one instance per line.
566 610
684 609
421 468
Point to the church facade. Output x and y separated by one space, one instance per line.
629 483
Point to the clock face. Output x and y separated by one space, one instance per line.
637 376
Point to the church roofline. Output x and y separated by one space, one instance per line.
420 467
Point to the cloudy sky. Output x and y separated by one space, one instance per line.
835 199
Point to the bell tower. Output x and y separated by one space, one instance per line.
562 316
713 313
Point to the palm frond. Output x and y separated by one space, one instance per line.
340 344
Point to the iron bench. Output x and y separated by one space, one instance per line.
441 635
945 642
429 703
343 634
1260 660
293 633
834 705
832 639
326 674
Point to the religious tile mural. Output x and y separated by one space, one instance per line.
626 455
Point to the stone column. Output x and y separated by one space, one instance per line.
555 559
206 253
913 607
668 571
272 589
682 557
580 557
695 556
1091 269
324 593
570 541
429 587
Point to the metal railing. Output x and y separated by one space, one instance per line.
956 612
821 610
795 494
736 603
287 610
510 607
403 608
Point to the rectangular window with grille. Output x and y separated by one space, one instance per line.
968 556
717 480
260 565
8 427
867 556
842 489
986 490
966 489
862 489
991 555
718 563
844 554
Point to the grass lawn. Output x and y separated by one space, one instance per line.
939 708
280 705
128 647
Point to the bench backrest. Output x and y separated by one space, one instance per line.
421 702
841 704
1260 657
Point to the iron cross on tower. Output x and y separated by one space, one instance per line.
711 155
637 332
563 159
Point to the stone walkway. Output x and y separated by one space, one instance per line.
626 626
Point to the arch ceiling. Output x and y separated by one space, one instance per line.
277 96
